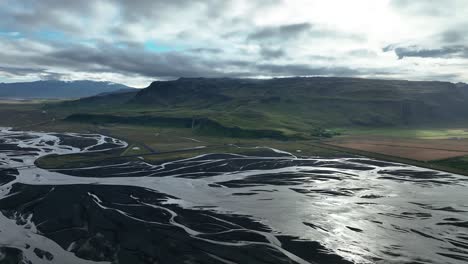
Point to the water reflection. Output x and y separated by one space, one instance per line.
363 210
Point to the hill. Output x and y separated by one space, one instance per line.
58 89
293 106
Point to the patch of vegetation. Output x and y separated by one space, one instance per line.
24 113
78 160
292 106
409 132
250 148
200 126
459 163
135 149
77 142
157 121
324 133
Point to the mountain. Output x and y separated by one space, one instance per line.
349 101
463 87
58 89
290 105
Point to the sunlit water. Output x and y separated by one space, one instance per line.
357 209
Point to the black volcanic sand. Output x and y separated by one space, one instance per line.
425 177
10 147
125 224
9 255
207 209
210 165
7 175
80 142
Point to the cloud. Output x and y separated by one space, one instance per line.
166 65
417 52
453 36
305 70
14 71
427 7
138 41
284 33
280 32
272 53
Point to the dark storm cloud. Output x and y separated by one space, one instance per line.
46 13
280 32
456 51
109 59
30 15
24 71
206 50
166 65
271 53
284 33
166 39
136 11
17 71
306 70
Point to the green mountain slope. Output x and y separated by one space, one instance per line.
291 105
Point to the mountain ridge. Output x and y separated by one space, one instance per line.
291 105
55 89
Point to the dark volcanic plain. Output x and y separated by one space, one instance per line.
223 208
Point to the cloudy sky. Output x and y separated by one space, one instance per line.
137 41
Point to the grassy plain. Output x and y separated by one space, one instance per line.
437 148
409 132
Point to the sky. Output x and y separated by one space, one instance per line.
136 42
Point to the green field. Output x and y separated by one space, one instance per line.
408 132
459 163
142 139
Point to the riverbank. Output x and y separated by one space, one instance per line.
268 207
157 144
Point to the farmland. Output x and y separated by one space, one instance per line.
410 148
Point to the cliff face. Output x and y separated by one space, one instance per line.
292 104
355 101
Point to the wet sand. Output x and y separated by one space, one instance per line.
224 208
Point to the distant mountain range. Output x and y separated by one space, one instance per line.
59 89
289 105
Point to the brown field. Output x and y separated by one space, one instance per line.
415 149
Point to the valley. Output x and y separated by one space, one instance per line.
164 168
165 121
233 132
